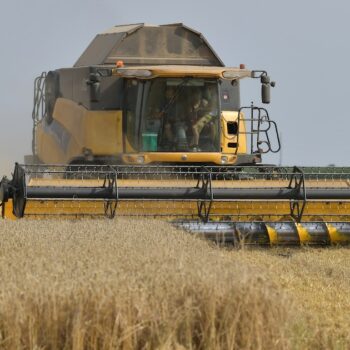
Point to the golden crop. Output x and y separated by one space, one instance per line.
141 284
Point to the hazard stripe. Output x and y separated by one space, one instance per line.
273 237
303 233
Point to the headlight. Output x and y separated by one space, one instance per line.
224 159
140 159
233 74
134 73
230 74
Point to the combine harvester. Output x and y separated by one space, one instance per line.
148 122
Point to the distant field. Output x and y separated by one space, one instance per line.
122 284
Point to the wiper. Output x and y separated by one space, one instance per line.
178 91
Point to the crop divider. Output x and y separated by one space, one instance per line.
297 205
110 182
205 184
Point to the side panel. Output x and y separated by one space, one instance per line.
231 142
230 95
75 129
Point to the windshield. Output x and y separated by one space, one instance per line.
180 115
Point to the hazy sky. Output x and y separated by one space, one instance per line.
304 45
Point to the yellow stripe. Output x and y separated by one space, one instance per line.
273 237
247 211
335 236
179 157
7 210
304 235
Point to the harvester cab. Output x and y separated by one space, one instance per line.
148 122
151 95
167 114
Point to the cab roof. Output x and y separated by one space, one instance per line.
140 44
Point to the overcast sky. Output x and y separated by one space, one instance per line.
304 45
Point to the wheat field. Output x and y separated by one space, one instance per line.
142 284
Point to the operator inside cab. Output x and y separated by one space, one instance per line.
183 114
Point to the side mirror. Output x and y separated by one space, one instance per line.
95 90
52 92
265 93
266 88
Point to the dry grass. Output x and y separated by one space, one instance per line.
131 285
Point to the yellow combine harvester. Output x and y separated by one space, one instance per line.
148 122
